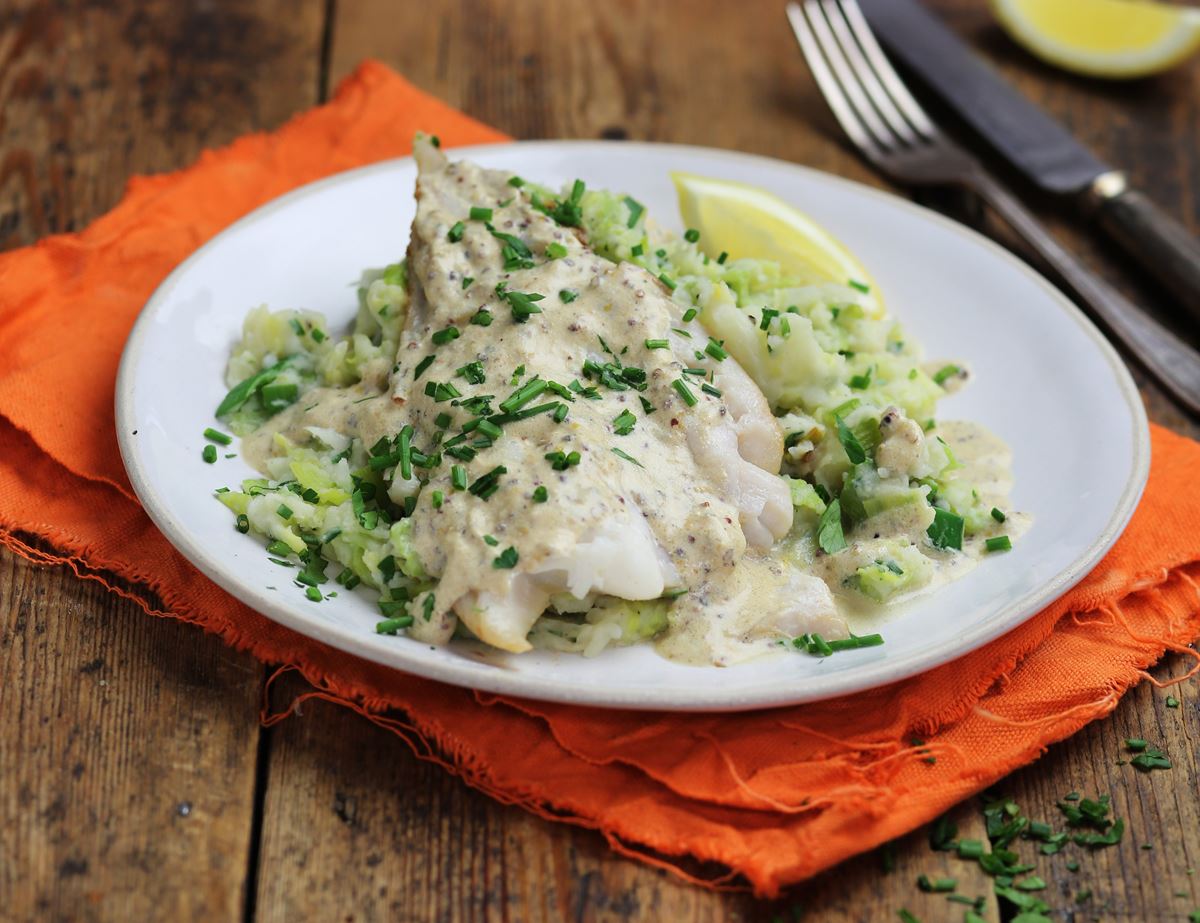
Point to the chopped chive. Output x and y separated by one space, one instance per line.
709 389
667 281
830 536
715 350
284 510
1136 744
657 344
694 371
442 420
936 885
313 593
623 423
626 456
566 296
524 395
487 484
946 530
722 258
482 318
970 849
472 372
689 315
635 211
491 540
945 372
422 366
637 250
556 251
684 392
391 626
442 337
516 182
455 234
478 213
540 494
243 523
681 332
1172 702
209 454
466 282
458 477
691 235
999 543
860 382
217 436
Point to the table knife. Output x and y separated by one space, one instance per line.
1037 145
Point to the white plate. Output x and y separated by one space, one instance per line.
1045 381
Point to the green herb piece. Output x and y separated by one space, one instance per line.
442 337
437 499
1172 702
507 559
623 423
945 372
861 382
861 286
1032 883
998 515
472 372
667 281
217 436
943 831
516 182
515 253
722 258
1151 759
458 477
716 350
854 449
466 282
998 543
284 510
657 344
479 213
523 305
1136 744
540 494
455 234
970 849
936 885
906 916
709 389
635 211
689 315
691 235
482 318
560 413
313 593
830 537
485 485
561 461
566 212
946 530
391 626
684 392
422 366
626 456
209 454
556 251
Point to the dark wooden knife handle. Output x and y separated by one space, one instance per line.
1160 243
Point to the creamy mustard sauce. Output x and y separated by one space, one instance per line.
687 501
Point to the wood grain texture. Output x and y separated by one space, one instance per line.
127 744
128 772
354 827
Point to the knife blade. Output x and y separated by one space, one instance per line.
1036 144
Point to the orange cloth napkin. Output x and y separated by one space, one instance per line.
768 798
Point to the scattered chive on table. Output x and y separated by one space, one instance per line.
137 782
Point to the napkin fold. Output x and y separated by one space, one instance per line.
765 799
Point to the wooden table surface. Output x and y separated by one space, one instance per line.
135 780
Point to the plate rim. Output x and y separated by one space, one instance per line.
498 681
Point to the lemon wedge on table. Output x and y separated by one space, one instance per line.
1103 38
745 221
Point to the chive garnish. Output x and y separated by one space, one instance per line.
709 389
391 626
466 282
284 510
715 350
313 593
482 318
217 436
636 250
556 251
684 392
442 337
623 423
635 211
946 371
209 454
657 344
472 372
629 458
946 530
436 499
485 485
540 494
722 258
999 543
478 213
691 235
422 366
516 182
491 540
694 371
561 461
998 515
830 537
566 296
667 281
689 315
524 395
854 449
522 304
455 234
442 420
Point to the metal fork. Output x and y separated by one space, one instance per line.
894 132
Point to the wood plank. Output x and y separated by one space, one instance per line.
353 820
128 744
128 769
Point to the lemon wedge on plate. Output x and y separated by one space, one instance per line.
1103 38
745 221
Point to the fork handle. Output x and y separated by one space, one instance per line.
1166 357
